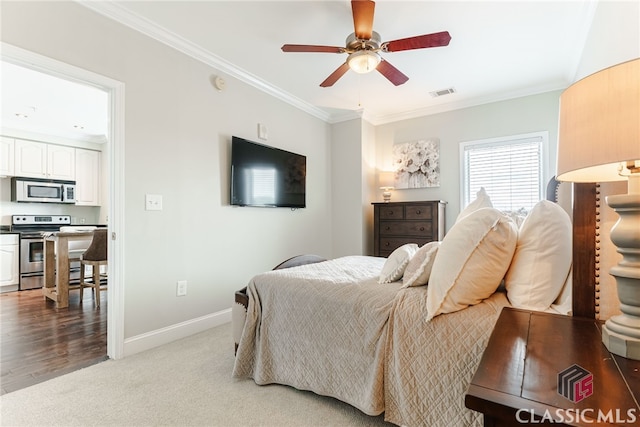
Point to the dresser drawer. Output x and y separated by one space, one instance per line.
418 212
389 244
392 212
399 223
406 228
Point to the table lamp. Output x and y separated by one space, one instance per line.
386 185
599 141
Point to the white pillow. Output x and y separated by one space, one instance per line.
482 200
542 259
394 266
419 268
472 260
564 304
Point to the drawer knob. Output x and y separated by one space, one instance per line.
387 244
418 211
421 228
387 228
389 212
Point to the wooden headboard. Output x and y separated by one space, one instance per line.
585 238
582 205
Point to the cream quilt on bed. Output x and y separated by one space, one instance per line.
430 365
332 329
325 334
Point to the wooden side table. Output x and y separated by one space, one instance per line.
546 369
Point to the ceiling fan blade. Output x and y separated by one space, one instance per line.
394 75
418 42
311 48
329 81
363 17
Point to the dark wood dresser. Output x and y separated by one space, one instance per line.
547 369
398 223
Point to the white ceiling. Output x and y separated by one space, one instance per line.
499 50
40 103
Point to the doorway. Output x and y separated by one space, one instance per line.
114 169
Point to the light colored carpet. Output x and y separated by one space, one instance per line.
184 383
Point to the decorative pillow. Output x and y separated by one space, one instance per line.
472 260
542 259
482 201
394 266
419 268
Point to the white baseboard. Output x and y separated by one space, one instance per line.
175 332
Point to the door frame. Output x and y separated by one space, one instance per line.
116 140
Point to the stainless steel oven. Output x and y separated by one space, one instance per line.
31 261
31 229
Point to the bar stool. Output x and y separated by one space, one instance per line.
76 249
95 256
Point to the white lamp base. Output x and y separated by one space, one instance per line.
621 333
386 194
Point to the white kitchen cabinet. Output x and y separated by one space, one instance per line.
88 177
30 159
9 268
61 162
7 155
40 160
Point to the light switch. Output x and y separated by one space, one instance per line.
262 131
153 202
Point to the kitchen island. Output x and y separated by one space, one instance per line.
56 264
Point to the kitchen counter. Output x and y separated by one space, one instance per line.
6 229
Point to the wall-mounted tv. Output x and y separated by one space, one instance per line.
266 176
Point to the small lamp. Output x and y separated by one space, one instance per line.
386 185
599 141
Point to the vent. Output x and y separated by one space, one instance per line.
442 92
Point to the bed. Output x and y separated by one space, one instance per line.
356 329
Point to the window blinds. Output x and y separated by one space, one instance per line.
510 170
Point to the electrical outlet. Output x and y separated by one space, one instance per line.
153 202
181 288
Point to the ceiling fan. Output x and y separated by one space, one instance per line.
364 45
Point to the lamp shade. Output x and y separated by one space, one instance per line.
386 179
599 125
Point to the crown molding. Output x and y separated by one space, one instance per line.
132 20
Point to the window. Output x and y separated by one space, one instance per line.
511 170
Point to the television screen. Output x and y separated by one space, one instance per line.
266 176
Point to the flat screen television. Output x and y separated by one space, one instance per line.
266 176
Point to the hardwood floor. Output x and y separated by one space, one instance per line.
39 342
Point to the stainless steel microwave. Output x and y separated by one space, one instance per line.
42 190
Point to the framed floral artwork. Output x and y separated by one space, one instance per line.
417 164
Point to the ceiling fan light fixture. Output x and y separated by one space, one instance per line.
363 61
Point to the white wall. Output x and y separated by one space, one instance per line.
346 187
177 136
517 116
370 191
353 172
